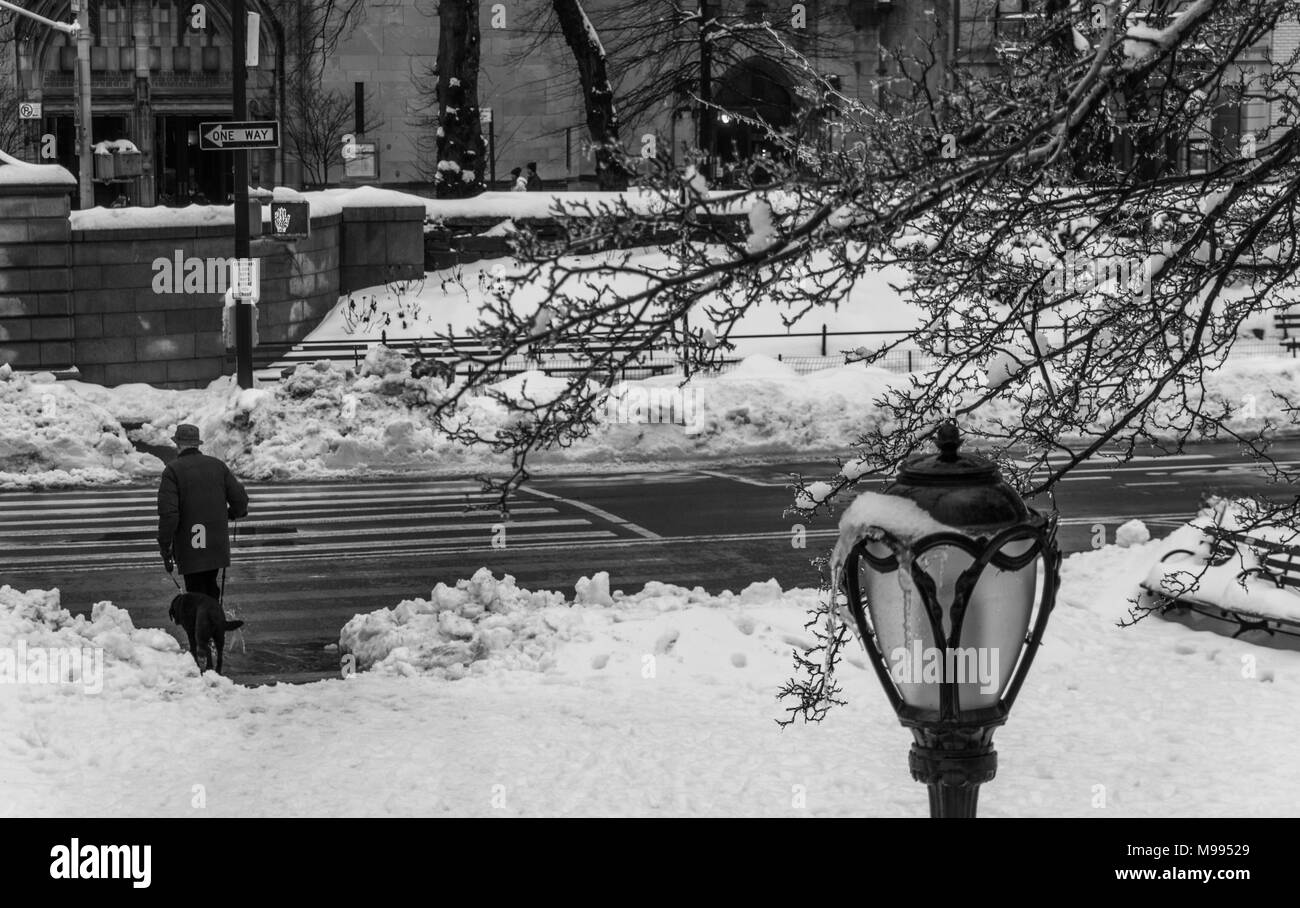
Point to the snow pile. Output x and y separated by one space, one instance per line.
1132 533
326 420
477 625
51 435
484 625
125 661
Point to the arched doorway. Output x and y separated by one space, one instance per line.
752 94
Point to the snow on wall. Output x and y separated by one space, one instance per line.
14 172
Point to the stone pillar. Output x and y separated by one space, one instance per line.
142 113
36 329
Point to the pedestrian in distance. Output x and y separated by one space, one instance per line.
197 497
533 180
521 182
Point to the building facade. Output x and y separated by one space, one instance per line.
159 68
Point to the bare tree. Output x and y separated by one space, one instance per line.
1070 307
317 119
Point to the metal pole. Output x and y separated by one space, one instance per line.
243 310
953 764
85 157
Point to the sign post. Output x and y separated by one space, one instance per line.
243 309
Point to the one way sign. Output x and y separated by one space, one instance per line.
234 136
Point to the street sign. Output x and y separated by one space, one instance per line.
240 135
484 116
29 110
290 220
364 163
246 279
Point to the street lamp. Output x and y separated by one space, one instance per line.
949 611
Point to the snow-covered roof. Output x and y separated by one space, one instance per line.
14 172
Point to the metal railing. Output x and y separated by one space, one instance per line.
571 360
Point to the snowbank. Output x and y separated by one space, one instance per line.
484 624
328 421
50 434
130 662
14 172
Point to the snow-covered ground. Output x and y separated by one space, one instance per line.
451 300
655 703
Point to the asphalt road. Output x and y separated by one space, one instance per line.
312 555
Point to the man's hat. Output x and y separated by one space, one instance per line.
532 165
187 436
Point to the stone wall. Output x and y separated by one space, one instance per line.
300 282
36 325
380 244
114 301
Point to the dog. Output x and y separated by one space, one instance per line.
205 624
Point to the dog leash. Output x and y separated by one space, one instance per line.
243 646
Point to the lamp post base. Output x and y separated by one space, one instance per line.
953 764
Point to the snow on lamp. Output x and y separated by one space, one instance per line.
942 579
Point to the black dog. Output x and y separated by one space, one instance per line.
205 624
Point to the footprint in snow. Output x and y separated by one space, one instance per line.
739 660
599 661
802 643
666 640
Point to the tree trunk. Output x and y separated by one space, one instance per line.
460 150
597 93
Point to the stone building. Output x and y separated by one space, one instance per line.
155 77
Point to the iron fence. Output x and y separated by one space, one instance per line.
660 362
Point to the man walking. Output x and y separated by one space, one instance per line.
197 497
533 181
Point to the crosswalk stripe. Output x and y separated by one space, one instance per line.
288 533
326 550
98 529
90 506
69 525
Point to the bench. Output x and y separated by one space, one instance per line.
1289 324
1278 563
